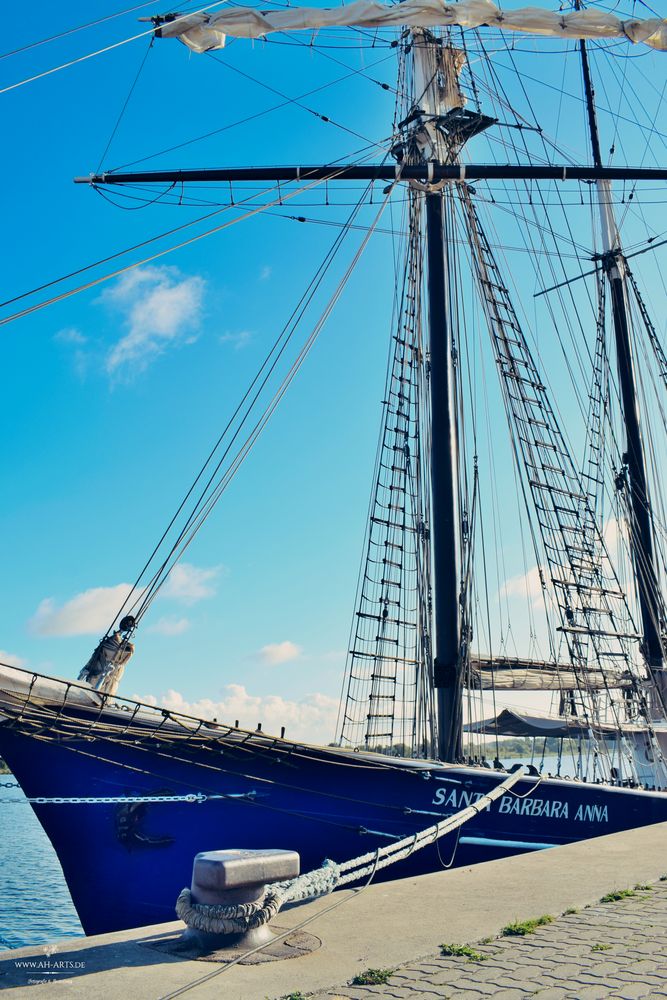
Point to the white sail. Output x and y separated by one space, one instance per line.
202 32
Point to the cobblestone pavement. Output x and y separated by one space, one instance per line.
611 950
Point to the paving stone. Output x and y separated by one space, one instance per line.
437 996
605 968
565 970
498 977
522 982
511 994
592 992
445 983
504 964
628 975
644 965
409 975
449 977
656 979
635 991
470 985
352 994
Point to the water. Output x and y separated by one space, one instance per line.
548 765
570 765
35 904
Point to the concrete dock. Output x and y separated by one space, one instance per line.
590 950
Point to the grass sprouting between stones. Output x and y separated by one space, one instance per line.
643 887
616 894
570 911
523 927
600 947
373 977
462 951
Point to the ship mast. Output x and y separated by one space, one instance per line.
635 479
444 430
440 126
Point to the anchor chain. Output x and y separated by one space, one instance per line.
198 797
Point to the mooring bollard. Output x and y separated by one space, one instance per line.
236 881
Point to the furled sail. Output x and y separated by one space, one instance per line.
104 669
503 673
202 32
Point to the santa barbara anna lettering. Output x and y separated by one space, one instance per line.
528 806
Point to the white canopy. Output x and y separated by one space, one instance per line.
202 32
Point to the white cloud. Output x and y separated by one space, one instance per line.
188 583
312 718
92 611
79 353
11 659
527 585
160 308
333 656
266 272
240 339
170 626
279 652
70 335
615 535
88 613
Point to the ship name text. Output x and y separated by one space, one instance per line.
528 806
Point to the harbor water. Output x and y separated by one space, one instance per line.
35 905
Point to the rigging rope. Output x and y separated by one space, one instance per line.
163 253
125 105
295 101
213 489
102 51
254 117
72 31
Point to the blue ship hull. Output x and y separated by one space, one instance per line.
126 863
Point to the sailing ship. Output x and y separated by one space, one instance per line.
128 793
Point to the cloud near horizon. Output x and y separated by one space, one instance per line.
311 718
160 308
11 659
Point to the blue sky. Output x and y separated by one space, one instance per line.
113 397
